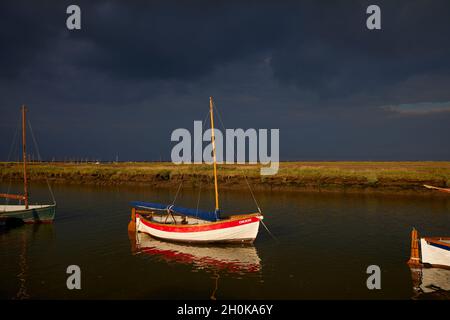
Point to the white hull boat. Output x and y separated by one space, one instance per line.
434 251
242 228
174 223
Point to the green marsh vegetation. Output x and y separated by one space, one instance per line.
311 176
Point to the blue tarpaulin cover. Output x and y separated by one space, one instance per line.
205 215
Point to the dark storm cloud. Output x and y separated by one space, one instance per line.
320 47
310 68
337 57
164 40
24 32
183 41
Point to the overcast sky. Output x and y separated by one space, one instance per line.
138 70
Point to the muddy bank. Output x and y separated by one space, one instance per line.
392 177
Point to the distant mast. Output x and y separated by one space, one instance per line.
214 152
24 155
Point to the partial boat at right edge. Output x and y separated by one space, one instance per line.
434 251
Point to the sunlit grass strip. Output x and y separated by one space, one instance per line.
374 174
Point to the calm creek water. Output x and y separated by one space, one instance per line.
324 244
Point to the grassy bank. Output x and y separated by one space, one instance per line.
306 176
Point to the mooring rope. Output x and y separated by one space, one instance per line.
259 210
268 231
251 191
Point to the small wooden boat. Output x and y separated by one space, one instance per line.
437 188
28 213
174 223
435 251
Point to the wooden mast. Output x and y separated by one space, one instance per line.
214 152
23 197
24 156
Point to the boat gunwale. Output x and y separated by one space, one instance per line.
436 240
41 207
209 223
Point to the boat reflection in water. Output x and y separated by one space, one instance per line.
216 259
430 283
231 259
21 237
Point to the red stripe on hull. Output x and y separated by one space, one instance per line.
199 228
176 256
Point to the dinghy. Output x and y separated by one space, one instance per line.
437 188
28 213
174 223
434 251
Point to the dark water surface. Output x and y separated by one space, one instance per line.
325 243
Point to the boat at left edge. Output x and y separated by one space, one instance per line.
26 212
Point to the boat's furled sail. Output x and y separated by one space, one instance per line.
204 215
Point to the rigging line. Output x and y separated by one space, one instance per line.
176 195
13 142
201 140
219 116
200 186
40 160
242 170
12 150
251 191
195 145
198 199
16 155
245 176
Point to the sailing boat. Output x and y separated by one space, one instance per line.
174 223
28 213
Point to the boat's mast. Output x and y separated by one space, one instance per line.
24 156
214 152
